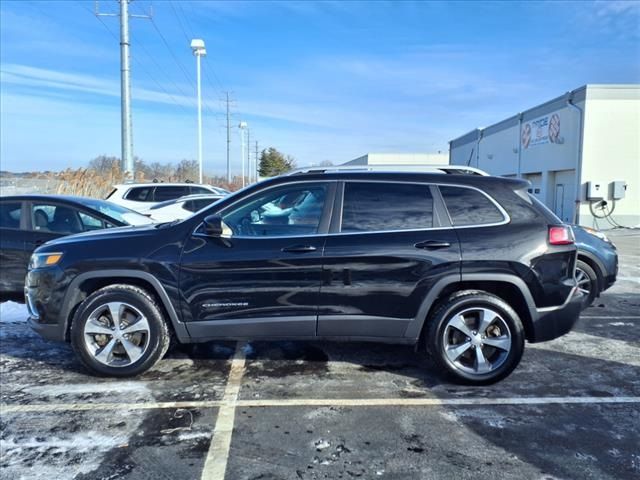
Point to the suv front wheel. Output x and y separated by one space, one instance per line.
475 337
119 331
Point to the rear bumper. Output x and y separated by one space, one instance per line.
553 322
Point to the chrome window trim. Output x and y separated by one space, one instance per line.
507 218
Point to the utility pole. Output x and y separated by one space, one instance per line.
126 136
125 92
242 127
228 142
249 173
257 163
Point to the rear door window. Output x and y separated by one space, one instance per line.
374 207
468 206
170 193
10 213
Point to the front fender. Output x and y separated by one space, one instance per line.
74 294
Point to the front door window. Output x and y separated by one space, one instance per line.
291 211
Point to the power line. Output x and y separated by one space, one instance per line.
206 73
159 67
138 62
177 61
188 39
180 22
175 58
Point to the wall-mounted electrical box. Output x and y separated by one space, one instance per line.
618 189
595 191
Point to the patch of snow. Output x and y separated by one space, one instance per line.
81 442
89 387
321 444
13 312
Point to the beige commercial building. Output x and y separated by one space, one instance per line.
580 151
401 159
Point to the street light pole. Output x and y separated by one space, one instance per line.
242 127
197 46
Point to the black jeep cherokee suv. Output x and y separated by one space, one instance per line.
464 266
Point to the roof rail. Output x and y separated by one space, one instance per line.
445 169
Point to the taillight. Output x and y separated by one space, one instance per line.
560 235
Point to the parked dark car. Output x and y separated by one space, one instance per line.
464 266
597 265
28 221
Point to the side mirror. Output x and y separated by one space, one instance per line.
215 227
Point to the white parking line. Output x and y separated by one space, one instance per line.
315 402
594 347
61 407
404 402
215 464
612 317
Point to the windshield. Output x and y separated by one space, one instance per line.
117 212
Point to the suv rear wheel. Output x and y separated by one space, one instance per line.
475 337
119 331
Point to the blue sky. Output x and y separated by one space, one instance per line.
317 80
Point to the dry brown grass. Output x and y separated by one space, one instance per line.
91 183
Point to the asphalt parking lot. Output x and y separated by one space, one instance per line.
318 410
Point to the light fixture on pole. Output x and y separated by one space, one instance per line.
197 45
243 126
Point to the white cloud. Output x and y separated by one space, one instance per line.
617 7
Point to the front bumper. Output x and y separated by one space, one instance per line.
48 331
553 322
43 303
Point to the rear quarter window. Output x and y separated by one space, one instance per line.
467 207
140 194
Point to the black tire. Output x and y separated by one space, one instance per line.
591 289
156 337
507 323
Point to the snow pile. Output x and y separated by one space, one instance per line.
13 312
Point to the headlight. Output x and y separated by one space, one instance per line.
40 260
598 234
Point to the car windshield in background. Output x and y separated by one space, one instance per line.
116 212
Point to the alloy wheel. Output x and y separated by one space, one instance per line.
476 341
116 334
583 281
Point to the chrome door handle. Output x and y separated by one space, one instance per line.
299 249
432 245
